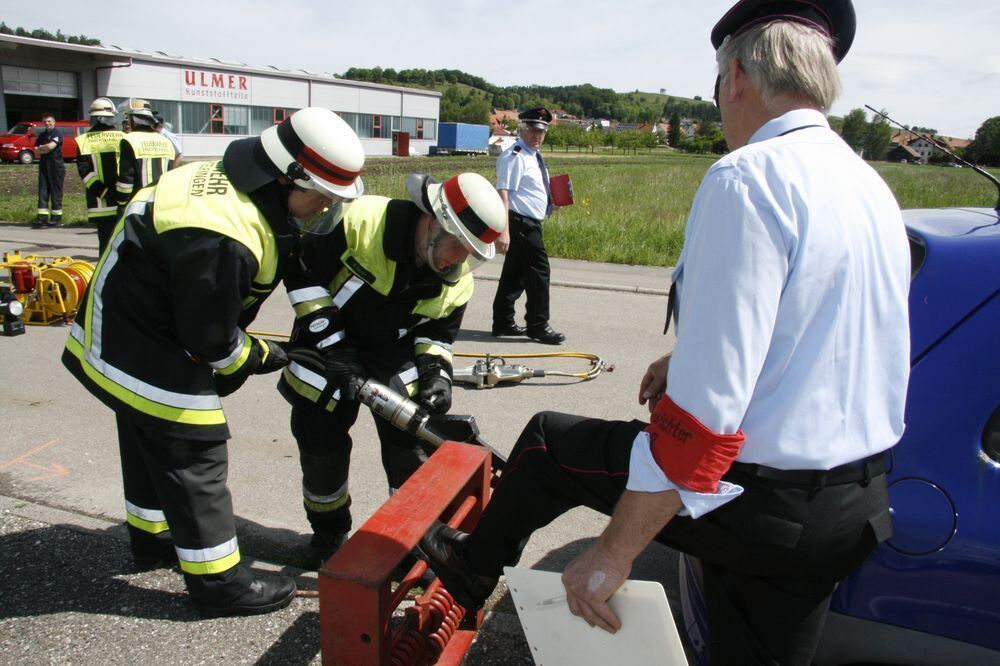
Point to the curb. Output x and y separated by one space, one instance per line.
85 243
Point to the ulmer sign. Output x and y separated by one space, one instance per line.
206 86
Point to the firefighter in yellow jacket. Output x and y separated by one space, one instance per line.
162 335
383 297
97 164
145 154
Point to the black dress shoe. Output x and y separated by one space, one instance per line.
441 548
546 335
263 595
508 328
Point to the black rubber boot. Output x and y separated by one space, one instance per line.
151 551
239 592
322 546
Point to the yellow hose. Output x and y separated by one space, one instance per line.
598 365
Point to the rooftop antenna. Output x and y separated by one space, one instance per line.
944 149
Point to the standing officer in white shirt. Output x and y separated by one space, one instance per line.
523 183
766 452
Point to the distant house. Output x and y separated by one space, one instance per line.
902 153
499 116
921 147
499 143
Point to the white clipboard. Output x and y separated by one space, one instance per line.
557 637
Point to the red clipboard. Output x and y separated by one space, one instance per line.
561 188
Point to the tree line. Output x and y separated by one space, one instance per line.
41 33
474 102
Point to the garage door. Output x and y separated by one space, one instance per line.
40 82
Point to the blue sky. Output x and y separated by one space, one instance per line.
928 63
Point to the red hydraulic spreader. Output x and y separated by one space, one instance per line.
356 599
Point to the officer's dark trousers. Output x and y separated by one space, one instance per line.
771 558
525 270
325 442
186 480
51 174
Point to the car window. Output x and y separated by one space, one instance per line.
19 129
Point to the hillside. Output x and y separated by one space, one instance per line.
469 98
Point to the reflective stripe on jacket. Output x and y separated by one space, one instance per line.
185 270
97 164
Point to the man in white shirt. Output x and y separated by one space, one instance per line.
769 421
523 183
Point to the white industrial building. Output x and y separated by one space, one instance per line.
208 102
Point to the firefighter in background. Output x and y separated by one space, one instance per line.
51 174
97 164
383 296
145 153
161 335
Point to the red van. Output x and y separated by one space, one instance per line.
18 144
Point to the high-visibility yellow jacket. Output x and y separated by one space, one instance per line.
185 271
365 269
97 164
145 155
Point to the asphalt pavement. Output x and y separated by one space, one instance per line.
68 593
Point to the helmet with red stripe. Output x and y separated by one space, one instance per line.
465 207
317 150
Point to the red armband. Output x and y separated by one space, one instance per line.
691 455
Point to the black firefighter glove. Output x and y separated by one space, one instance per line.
265 356
434 373
343 369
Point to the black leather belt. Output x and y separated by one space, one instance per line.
854 472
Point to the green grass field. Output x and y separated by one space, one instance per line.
629 209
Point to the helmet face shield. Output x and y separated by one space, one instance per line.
447 253
323 223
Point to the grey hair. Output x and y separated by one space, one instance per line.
784 59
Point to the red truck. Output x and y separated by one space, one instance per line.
18 144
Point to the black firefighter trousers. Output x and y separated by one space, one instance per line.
771 557
51 175
325 442
185 481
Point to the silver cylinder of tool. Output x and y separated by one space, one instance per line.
397 410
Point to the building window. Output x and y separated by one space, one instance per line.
376 127
279 116
217 118
237 119
420 128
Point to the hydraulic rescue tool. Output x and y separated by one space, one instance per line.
435 429
493 369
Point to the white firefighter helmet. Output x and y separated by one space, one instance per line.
140 112
317 150
465 207
102 107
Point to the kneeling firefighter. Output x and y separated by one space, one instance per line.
161 336
381 297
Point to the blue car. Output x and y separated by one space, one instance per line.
931 594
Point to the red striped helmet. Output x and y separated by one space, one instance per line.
317 150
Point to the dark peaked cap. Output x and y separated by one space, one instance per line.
833 18
539 116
